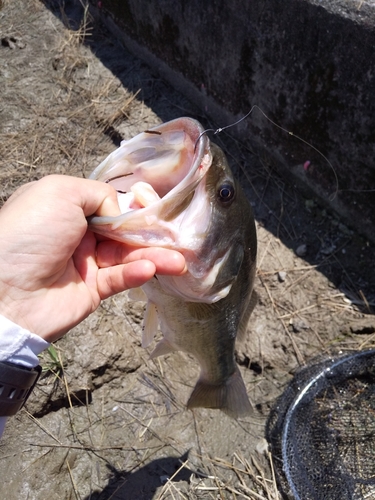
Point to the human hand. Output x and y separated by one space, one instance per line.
54 271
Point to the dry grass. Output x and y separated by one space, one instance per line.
238 478
65 124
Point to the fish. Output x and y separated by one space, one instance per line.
176 190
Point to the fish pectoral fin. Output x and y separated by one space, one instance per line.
137 294
230 397
163 347
150 324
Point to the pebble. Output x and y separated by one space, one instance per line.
262 446
298 325
301 250
282 276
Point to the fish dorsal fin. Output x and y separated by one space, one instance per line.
150 324
137 294
163 347
242 329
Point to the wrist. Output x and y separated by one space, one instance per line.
19 366
9 311
19 345
21 310
11 297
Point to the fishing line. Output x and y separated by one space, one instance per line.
255 106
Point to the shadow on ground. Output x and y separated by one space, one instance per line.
143 483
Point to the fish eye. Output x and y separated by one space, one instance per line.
226 193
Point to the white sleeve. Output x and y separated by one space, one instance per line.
18 346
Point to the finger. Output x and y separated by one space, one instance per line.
170 262
85 261
116 279
93 197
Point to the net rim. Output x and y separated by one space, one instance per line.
326 374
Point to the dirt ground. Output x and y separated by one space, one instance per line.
105 422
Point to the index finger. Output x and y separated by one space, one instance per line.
112 253
93 197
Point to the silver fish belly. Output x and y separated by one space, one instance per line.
186 198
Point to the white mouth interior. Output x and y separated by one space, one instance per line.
146 168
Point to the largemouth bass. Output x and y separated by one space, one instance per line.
177 191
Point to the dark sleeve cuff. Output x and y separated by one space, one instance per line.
16 385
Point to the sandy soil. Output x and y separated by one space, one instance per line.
106 422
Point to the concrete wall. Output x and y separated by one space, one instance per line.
308 64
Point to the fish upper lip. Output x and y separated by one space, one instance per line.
190 126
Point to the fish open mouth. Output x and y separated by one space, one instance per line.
155 174
162 158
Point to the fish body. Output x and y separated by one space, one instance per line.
205 215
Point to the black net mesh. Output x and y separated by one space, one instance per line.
322 431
